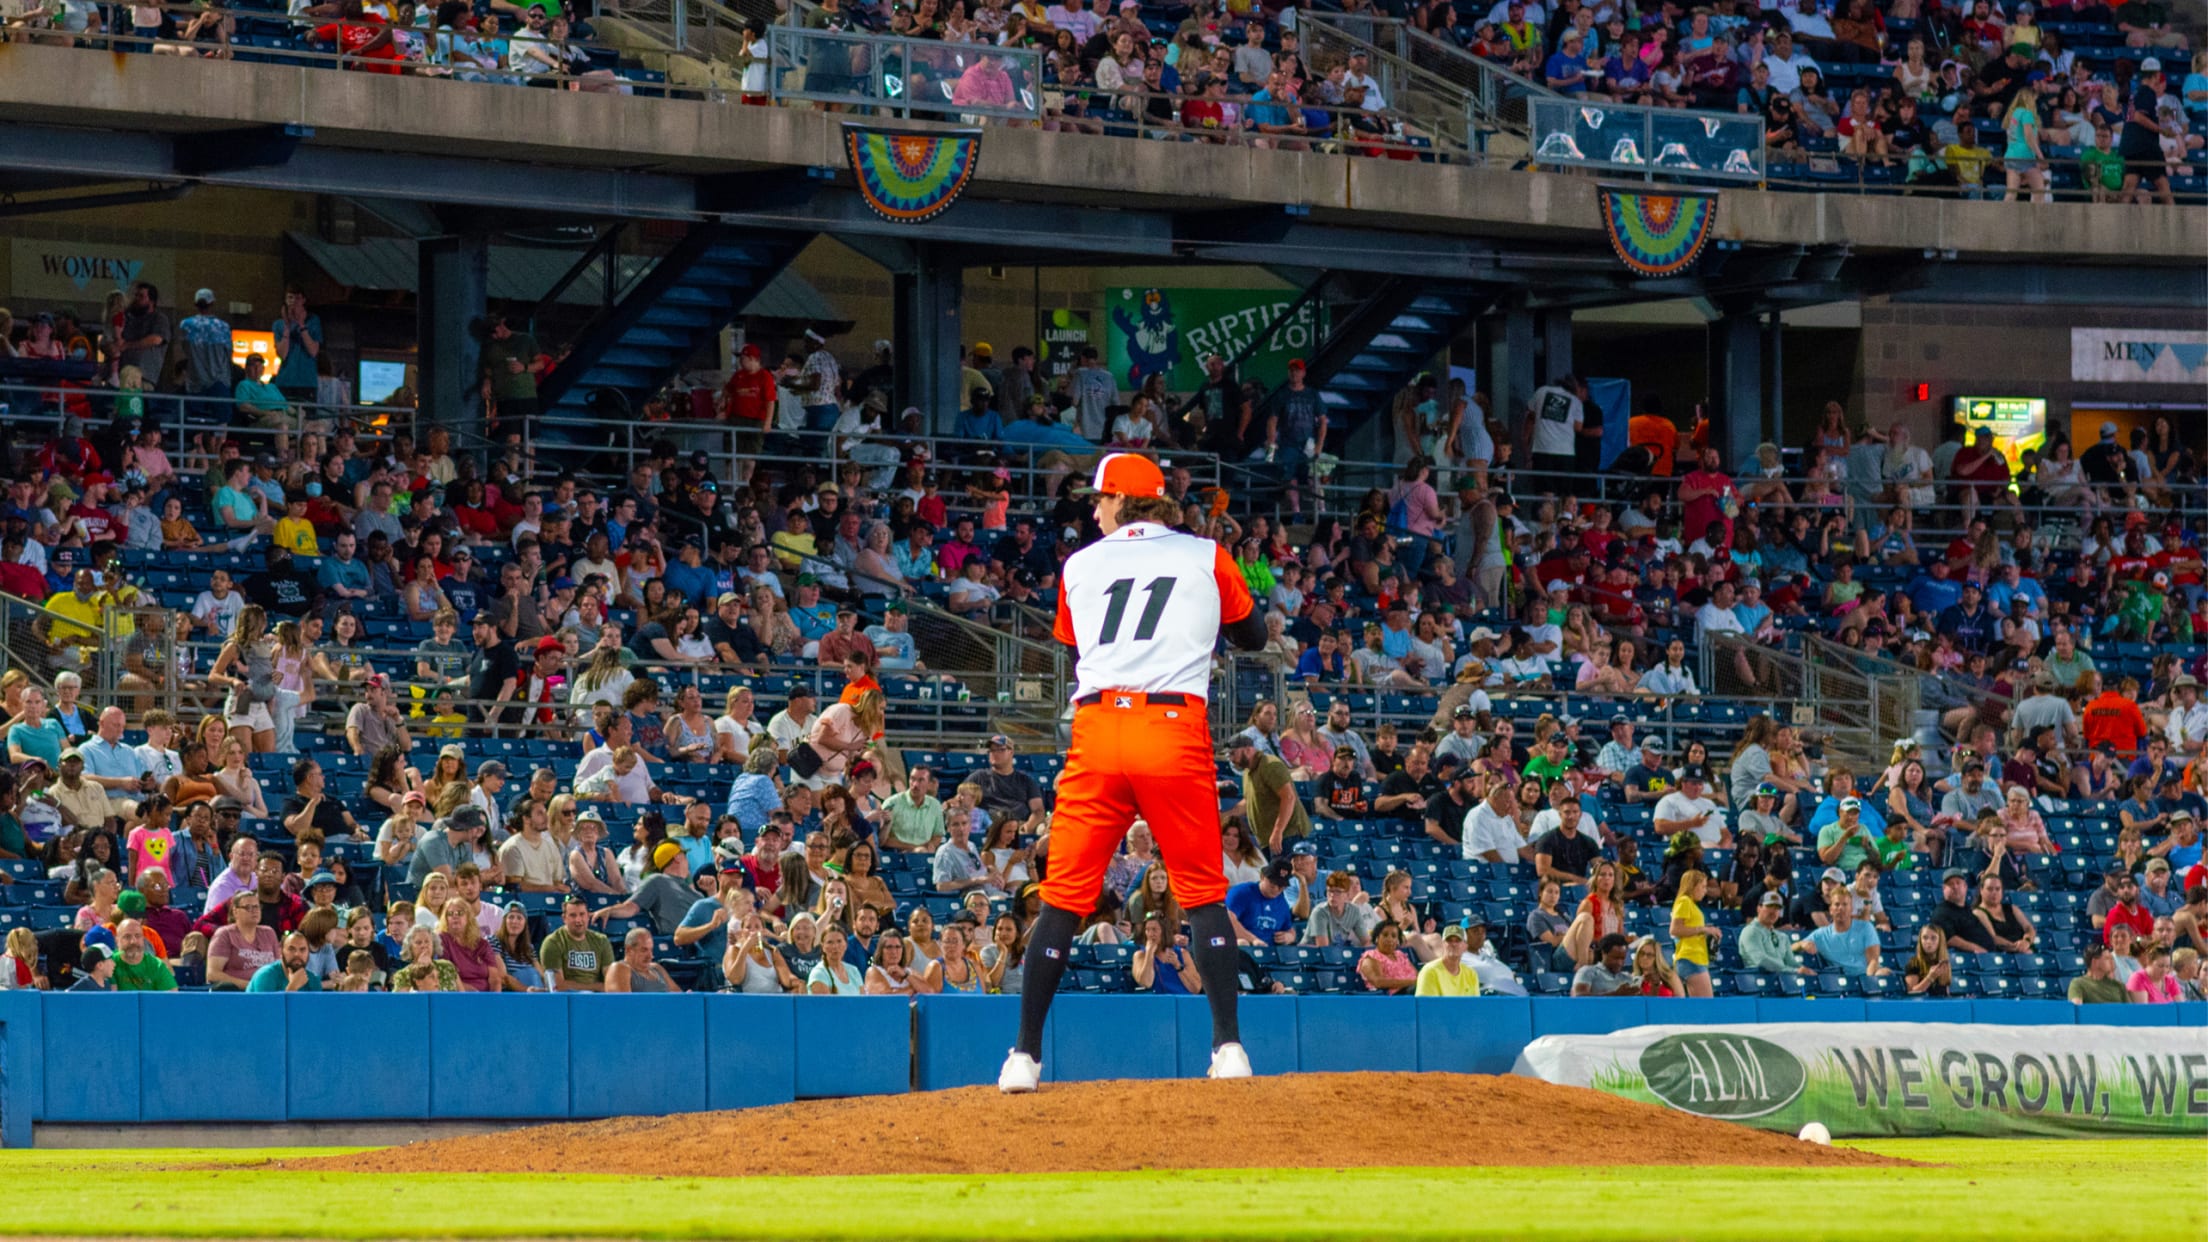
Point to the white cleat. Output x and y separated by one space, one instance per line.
1022 1074
1229 1061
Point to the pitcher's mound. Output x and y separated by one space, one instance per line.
1294 1120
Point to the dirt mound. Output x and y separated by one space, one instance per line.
1098 1126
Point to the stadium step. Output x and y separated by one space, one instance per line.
671 313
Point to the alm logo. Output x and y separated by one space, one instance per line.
82 270
1721 1074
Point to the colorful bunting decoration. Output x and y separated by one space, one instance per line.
911 176
1658 234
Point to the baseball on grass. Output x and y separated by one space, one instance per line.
1815 1132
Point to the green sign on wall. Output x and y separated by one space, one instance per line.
1170 330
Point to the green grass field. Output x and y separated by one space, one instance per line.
2014 1190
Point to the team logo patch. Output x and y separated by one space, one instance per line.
1218 942
1052 954
1123 700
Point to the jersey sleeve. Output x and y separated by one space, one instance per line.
1234 594
1062 628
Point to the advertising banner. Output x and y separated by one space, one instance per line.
1170 330
1879 1079
1063 338
2139 356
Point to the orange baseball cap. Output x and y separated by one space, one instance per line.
1127 474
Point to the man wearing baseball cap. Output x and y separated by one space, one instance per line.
207 350
747 404
2141 142
1300 432
663 897
1449 974
1685 809
1143 607
1648 780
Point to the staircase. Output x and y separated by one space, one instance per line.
671 312
1436 83
1379 345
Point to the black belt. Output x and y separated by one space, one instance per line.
1133 700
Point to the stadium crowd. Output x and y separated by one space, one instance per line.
1985 99
512 758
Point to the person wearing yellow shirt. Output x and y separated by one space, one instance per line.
1449 974
1694 937
81 603
293 531
1968 161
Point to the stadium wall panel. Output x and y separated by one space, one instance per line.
206 1057
959 1041
750 1050
1093 1037
356 1057
1269 1031
1482 1041
856 1045
116 1059
1336 1034
2024 1013
635 1054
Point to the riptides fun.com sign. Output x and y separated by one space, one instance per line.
1901 1078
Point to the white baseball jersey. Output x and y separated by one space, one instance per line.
1143 606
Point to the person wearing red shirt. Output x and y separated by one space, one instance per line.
16 578
1207 109
2128 911
358 33
748 401
2114 717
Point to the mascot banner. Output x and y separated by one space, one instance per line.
1879 1079
1170 330
1658 234
910 177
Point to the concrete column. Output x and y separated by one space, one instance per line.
1555 329
1510 367
929 304
1736 383
448 312
1774 392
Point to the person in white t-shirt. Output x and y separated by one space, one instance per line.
1491 830
1559 414
1686 810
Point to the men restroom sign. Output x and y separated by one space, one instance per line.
2138 356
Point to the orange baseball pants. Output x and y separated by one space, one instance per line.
1144 760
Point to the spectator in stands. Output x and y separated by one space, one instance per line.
1006 791
1269 800
1162 963
1608 974
238 951
1450 974
2099 984
1385 967
1491 829
1763 946
1929 972
309 806
2126 909
636 971
1846 944
1259 909
664 895
2004 927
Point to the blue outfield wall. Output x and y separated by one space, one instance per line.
126 1057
